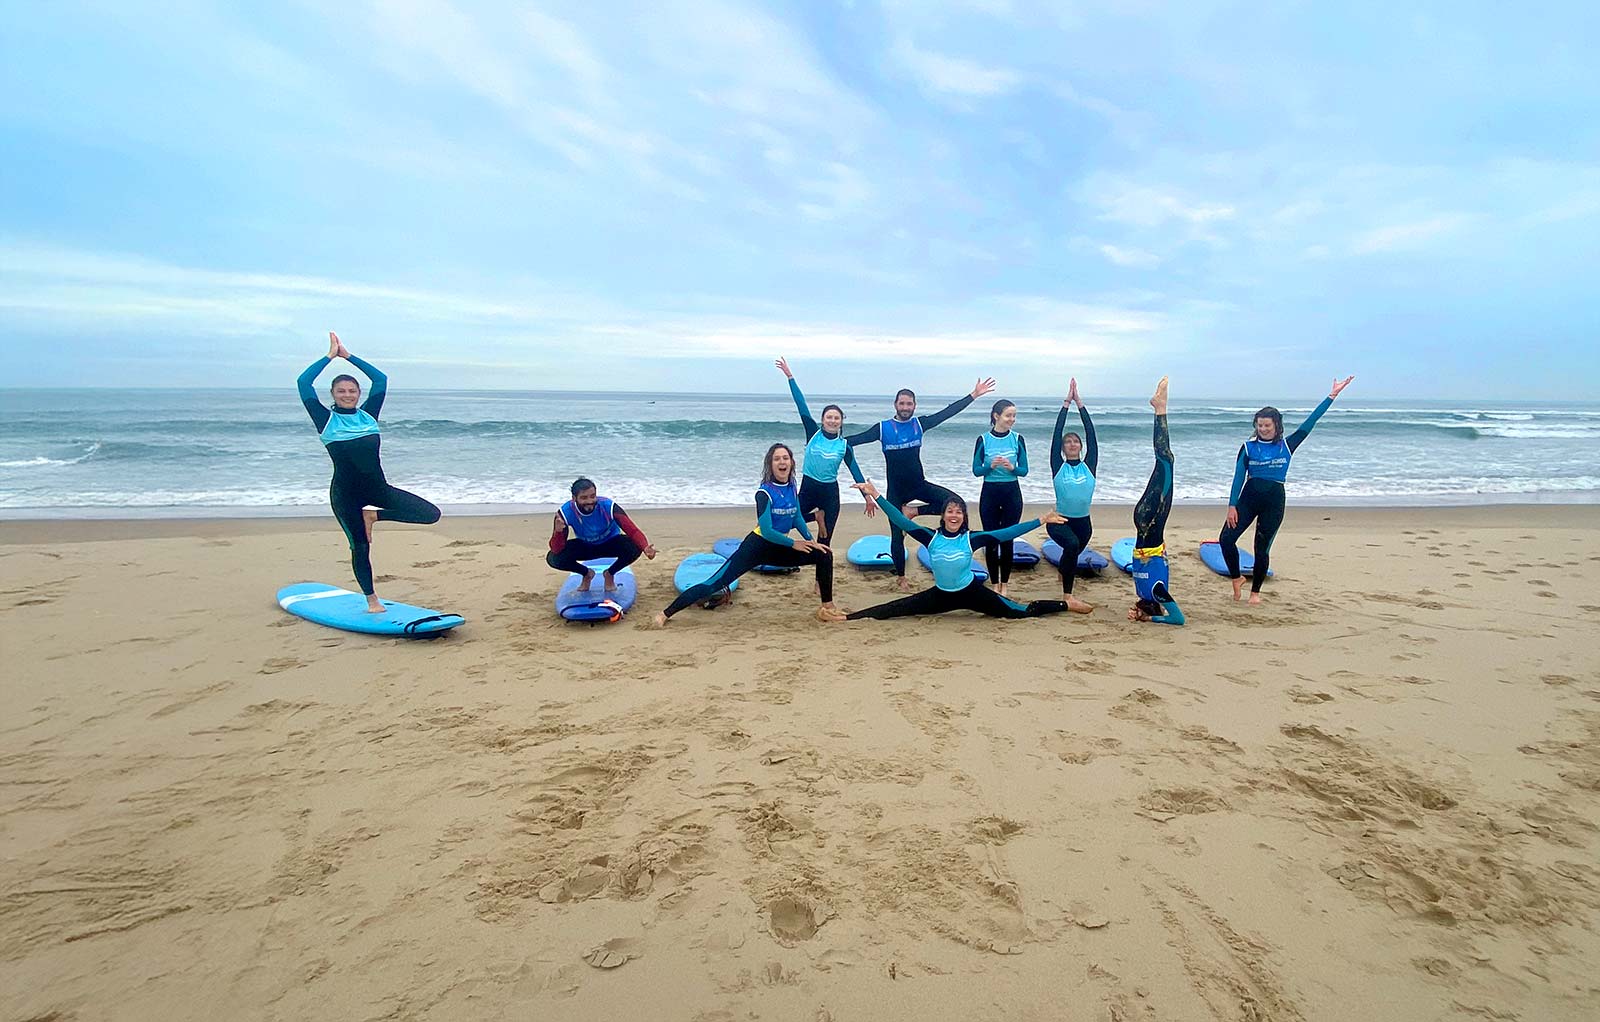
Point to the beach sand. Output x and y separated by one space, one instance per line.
1376 797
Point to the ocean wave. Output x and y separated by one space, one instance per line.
42 462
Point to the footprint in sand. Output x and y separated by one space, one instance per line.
278 664
617 951
795 918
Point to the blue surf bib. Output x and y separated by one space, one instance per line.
1146 574
996 447
824 456
895 435
348 425
597 526
785 509
950 559
1268 461
1074 490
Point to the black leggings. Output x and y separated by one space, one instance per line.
753 551
625 550
814 496
999 506
975 596
1262 502
1155 504
1073 538
933 498
394 505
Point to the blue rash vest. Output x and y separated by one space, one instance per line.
1268 461
1074 485
951 560
597 526
900 434
990 447
343 425
824 456
1147 574
778 514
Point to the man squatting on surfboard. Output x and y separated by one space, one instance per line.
600 528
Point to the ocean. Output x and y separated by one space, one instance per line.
159 453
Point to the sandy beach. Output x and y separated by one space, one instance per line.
1375 797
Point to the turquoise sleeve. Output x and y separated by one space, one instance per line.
380 385
1008 533
1171 614
980 467
1241 468
905 524
1022 457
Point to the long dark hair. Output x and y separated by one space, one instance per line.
1276 416
999 409
966 516
1151 608
766 465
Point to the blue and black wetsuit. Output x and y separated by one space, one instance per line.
605 531
1149 525
352 440
1074 485
955 586
1258 495
819 473
777 514
1000 503
904 481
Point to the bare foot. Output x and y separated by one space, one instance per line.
1077 606
588 576
910 510
1238 588
371 518
829 613
1158 400
1255 599
1001 589
905 584
661 619
374 605
611 582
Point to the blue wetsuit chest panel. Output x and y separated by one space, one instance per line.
1146 574
343 425
1269 461
824 456
785 507
950 557
1074 489
897 435
999 446
597 526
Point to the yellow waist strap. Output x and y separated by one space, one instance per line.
1144 553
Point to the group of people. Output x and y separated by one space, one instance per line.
791 499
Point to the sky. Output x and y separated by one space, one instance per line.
1252 198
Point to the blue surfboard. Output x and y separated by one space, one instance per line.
597 604
926 561
725 548
870 552
698 568
1090 562
1122 553
346 610
1211 554
1024 554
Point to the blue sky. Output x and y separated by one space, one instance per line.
1252 198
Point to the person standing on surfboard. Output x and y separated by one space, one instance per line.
901 437
777 514
350 434
826 449
950 549
1154 601
1257 494
1000 458
1074 460
600 528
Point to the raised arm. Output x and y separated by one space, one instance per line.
1002 535
307 385
1091 446
799 400
1298 437
380 383
870 435
764 524
1056 460
951 409
917 532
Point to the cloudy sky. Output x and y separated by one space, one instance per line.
665 195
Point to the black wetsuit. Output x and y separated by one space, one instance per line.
358 479
1258 496
952 560
1073 537
904 481
766 545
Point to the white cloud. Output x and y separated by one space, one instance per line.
1129 256
1121 201
1414 234
956 76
